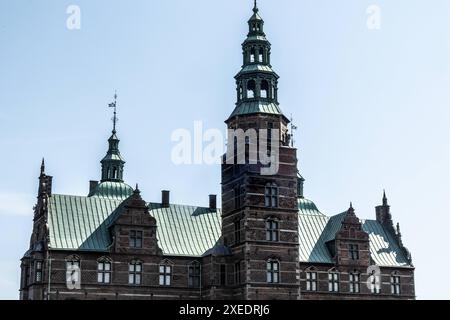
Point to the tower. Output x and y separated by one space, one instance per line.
259 182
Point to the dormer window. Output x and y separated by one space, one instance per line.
354 251
135 239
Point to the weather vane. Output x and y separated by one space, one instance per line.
114 105
293 128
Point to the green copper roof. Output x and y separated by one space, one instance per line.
255 68
112 190
256 107
316 229
81 223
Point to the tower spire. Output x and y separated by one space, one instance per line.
385 200
113 163
43 166
255 7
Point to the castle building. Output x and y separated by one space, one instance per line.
266 242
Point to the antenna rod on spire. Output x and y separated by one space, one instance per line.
114 105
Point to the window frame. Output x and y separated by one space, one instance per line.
354 280
333 281
353 251
311 280
273 271
194 274
38 271
135 273
136 239
271 195
104 273
272 230
395 284
165 274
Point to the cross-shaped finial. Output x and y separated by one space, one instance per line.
114 105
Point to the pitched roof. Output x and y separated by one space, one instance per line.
316 229
81 223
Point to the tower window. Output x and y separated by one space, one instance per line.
260 55
114 174
355 286
271 196
237 197
194 274
272 230
135 273
237 231
273 271
264 89
252 55
395 283
237 273
104 271
223 274
38 271
251 88
241 92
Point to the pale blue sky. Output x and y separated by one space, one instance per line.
372 107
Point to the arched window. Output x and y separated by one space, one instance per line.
135 272
271 195
165 273
251 89
104 268
73 272
264 89
194 272
272 230
240 92
260 55
273 271
114 173
252 55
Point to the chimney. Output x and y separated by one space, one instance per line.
92 185
213 201
165 201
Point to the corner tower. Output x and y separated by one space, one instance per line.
260 210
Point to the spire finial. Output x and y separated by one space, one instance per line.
351 211
136 190
385 200
43 166
114 105
255 7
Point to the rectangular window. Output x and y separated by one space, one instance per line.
273 272
104 272
375 283
135 273
237 232
271 196
333 282
237 273
223 274
354 251
395 285
194 275
237 197
136 239
38 271
165 274
311 281
354 284
272 230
